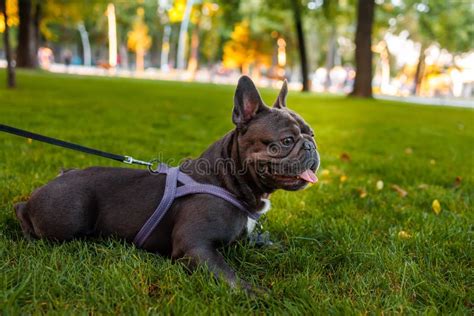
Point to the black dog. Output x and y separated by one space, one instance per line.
270 148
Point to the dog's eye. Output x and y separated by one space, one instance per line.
287 141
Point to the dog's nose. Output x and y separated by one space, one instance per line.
308 145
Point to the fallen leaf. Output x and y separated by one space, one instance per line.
362 192
345 157
399 190
325 172
433 162
423 186
379 185
30 141
457 182
404 235
408 151
343 178
436 206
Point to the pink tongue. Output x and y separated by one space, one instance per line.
309 176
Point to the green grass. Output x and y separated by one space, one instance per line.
340 252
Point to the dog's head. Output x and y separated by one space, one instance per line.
276 144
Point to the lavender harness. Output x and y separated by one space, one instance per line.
173 191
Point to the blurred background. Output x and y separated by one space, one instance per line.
398 48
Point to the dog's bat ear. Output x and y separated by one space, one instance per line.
247 102
280 102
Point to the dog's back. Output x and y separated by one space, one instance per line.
91 201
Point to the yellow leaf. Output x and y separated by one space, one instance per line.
408 151
12 13
436 206
399 190
343 178
404 235
325 172
379 185
362 192
176 13
30 141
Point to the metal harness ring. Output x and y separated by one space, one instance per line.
154 166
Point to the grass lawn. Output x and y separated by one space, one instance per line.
345 245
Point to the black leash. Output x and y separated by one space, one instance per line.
61 143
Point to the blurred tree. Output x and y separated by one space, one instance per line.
229 16
244 51
126 19
387 11
183 35
210 26
138 39
296 5
447 23
196 19
271 25
338 17
12 13
11 83
29 12
363 52
73 23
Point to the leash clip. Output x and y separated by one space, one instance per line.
130 160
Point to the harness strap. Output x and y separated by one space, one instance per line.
165 204
172 191
216 191
192 187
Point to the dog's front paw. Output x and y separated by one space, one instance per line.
260 239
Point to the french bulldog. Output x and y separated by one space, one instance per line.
270 148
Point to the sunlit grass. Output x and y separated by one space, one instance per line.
345 244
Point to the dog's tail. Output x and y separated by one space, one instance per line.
25 222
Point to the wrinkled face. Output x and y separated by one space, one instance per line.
278 146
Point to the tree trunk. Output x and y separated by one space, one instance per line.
363 53
26 54
165 48
301 44
86 46
140 60
420 67
36 28
385 71
183 32
11 83
193 63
